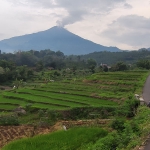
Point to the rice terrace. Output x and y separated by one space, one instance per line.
101 89
87 111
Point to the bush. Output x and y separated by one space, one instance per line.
109 142
131 106
9 120
48 117
118 124
41 113
85 112
28 107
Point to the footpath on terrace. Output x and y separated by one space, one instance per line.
146 96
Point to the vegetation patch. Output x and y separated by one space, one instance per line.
73 139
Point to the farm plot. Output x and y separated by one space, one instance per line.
100 89
10 133
76 138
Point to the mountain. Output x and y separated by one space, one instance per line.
5 47
55 38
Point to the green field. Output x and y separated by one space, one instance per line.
100 89
104 95
73 139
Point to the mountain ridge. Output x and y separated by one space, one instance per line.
55 38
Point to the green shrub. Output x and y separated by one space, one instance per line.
118 124
131 106
110 142
52 115
48 117
28 107
9 120
41 113
85 112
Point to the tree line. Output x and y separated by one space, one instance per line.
22 64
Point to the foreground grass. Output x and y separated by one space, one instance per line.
72 139
128 135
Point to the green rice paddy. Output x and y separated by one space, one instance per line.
100 89
72 139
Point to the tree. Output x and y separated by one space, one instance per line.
120 66
59 53
143 64
1 70
39 66
105 68
91 64
2 75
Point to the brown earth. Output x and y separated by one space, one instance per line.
5 88
11 133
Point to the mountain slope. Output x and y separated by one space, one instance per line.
55 38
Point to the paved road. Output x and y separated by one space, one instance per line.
146 90
146 96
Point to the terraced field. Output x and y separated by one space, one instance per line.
10 133
101 89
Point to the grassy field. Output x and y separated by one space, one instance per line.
73 139
98 96
87 138
100 89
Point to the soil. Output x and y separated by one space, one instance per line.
5 87
11 133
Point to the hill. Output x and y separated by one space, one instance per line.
55 38
114 57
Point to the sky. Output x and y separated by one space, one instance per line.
121 23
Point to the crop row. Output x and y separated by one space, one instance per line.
84 100
101 89
10 103
94 93
87 88
57 99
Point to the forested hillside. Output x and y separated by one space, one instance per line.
59 60
113 57
21 65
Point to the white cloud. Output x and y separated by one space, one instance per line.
96 20
132 30
128 6
76 10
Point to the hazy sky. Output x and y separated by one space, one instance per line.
121 23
